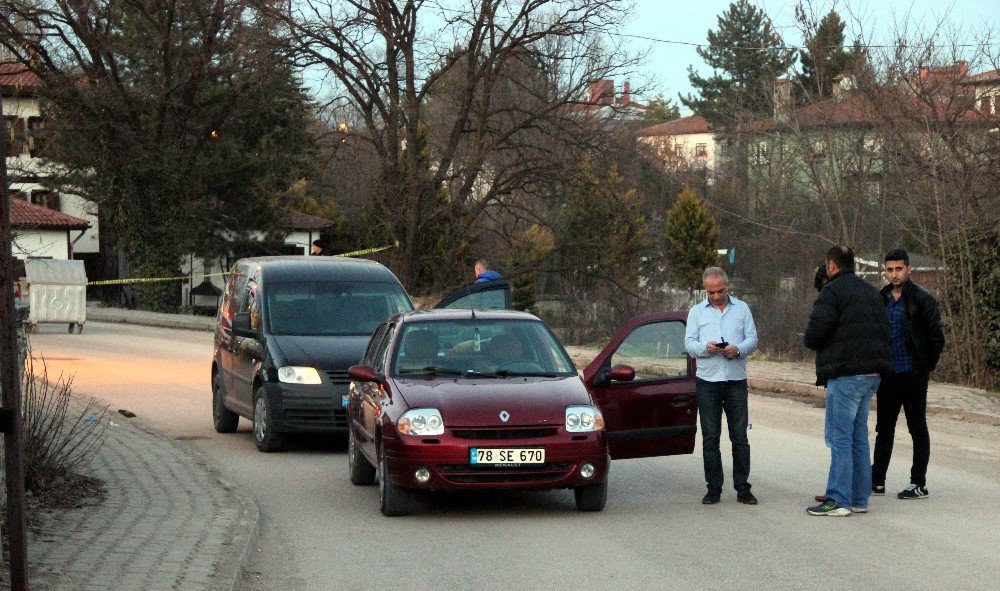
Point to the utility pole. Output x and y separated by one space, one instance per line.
10 383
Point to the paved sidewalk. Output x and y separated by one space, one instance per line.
168 522
800 379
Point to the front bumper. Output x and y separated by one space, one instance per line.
315 408
447 458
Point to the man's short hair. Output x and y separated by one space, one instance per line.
485 264
319 243
715 272
842 256
898 254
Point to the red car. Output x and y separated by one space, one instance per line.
476 399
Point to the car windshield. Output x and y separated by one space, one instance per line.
328 308
480 348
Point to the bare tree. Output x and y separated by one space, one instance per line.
465 107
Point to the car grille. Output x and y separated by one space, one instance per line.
338 377
465 474
317 417
504 432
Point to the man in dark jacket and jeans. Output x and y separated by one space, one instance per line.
849 330
917 341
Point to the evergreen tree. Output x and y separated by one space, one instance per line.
661 110
824 57
746 53
692 238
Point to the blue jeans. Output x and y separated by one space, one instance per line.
848 400
713 398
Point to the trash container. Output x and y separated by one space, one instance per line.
57 293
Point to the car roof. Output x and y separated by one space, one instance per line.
313 268
442 314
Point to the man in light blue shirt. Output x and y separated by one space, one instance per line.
720 336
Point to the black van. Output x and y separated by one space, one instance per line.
288 328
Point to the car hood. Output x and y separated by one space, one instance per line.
327 352
468 402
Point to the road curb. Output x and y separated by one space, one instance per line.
178 321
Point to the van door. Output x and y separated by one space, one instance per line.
656 412
249 351
226 342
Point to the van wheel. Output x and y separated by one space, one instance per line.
394 500
362 472
225 420
264 435
592 497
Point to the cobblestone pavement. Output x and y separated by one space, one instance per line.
800 378
167 523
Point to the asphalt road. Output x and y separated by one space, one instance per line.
318 532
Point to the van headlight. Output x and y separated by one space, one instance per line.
291 374
583 418
421 421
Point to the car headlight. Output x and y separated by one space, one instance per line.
298 375
583 418
421 421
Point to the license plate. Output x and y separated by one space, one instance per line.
501 456
343 400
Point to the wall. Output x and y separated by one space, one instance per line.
40 243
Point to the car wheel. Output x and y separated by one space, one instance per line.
224 419
394 500
592 497
362 472
264 435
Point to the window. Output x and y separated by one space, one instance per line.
37 137
13 135
656 351
701 150
49 199
760 153
679 151
328 308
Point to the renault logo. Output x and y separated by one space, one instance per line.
504 416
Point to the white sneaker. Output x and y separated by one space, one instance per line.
859 509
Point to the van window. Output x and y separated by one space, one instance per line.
328 308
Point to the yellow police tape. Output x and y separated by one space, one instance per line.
354 253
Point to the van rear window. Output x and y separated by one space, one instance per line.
327 308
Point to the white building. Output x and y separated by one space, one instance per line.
683 144
40 232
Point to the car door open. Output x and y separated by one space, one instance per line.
653 409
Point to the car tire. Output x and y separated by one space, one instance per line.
394 500
362 472
264 435
225 420
592 497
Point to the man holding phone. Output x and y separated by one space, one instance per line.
720 336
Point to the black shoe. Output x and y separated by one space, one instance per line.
711 498
914 491
878 490
746 498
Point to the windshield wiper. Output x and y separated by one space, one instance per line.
506 373
432 370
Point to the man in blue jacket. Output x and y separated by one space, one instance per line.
849 330
484 272
721 335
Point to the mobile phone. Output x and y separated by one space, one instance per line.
722 345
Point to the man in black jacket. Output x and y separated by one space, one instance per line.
849 331
917 341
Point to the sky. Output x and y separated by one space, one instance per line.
666 67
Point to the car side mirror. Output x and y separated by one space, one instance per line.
241 325
621 373
362 373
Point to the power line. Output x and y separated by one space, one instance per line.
864 46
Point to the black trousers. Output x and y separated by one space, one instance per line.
909 391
